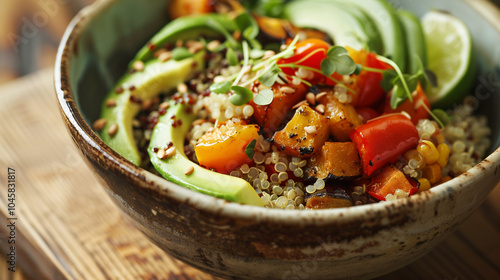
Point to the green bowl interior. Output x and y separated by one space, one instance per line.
116 32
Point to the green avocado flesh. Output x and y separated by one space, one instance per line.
384 17
156 77
346 24
209 25
202 180
415 41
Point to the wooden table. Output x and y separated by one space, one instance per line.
68 228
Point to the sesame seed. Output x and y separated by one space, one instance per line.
110 103
299 104
321 94
165 56
287 90
113 129
320 108
213 45
99 124
182 88
311 98
161 153
310 129
138 65
170 152
189 170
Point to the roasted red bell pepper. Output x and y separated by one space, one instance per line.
383 140
415 109
310 53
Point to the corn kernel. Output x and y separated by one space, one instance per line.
433 173
427 150
438 137
444 153
424 185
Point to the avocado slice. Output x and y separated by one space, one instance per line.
207 25
387 22
119 110
174 168
415 41
346 24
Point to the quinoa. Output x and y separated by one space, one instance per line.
280 179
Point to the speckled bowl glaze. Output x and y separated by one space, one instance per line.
245 242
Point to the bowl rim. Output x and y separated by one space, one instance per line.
165 189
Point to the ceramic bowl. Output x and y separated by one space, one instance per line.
246 242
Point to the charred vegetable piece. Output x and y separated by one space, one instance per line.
174 165
304 134
383 140
270 117
275 29
330 198
388 182
337 161
343 117
223 148
179 8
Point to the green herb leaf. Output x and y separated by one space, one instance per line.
339 61
222 87
181 53
328 67
269 77
256 53
241 96
388 78
249 150
231 57
265 97
247 25
441 117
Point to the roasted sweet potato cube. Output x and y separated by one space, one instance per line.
343 117
270 117
336 161
388 181
304 134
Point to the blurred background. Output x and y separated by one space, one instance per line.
30 31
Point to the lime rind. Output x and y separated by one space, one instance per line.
450 56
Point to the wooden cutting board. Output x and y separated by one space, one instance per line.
67 227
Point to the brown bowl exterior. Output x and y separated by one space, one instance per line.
246 242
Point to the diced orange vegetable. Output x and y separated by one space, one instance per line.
388 182
179 8
270 117
327 202
433 173
343 117
337 160
223 148
424 185
304 134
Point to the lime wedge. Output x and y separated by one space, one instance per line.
450 57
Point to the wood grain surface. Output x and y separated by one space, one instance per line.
68 228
